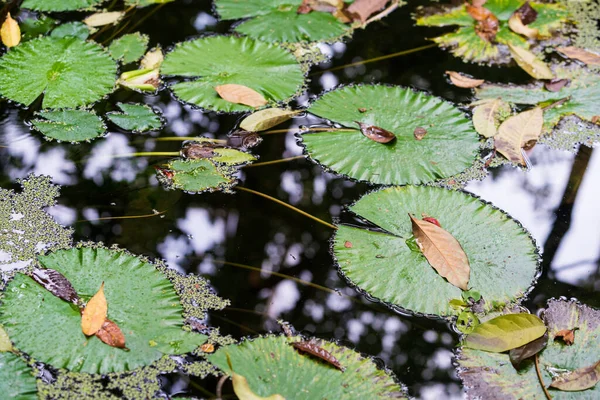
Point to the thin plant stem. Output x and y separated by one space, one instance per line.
108 26
141 20
307 130
234 323
266 196
539 375
122 217
282 160
383 13
184 138
220 384
371 60
203 390
147 154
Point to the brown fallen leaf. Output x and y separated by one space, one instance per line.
519 354
208 348
241 94
419 133
266 119
111 334
486 116
487 24
443 252
567 336
527 13
579 379
198 150
517 26
478 3
94 313
376 133
311 347
596 119
56 283
464 81
582 55
530 63
517 132
10 32
556 84
362 9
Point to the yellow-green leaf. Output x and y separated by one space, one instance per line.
505 332
443 252
10 32
5 343
266 119
103 18
579 379
486 116
530 63
153 59
521 130
94 314
516 25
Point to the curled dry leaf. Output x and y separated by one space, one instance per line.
198 150
486 116
5 343
103 18
10 32
312 348
582 55
519 354
56 283
579 379
111 334
419 132
505 332
242 388
241 94
266 119
567 336
463 81
362 9
527 14
376 133
556 84
487 24
517 132
443 252
242 139
517 26
94 313
530 63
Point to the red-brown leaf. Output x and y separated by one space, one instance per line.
363 9
567 336
582 55
241 94
376 133
56 283
111 334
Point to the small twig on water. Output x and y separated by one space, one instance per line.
282 160
220 384
123 217
539 374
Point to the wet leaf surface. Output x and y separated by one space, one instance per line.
242 388
443 252
530 63
519 354
129 48
69 125
505 332
241 94
136 117
94 314
579 379
16 378
56 283
10 33
517 132
487 116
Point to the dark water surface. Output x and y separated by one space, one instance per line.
556 201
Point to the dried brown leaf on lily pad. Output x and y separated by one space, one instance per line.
310 347
376 133
10 32
464 81
419 132
582 55
518 354
443 252
94 313
579 379
556 84
487 115
526 13
517 132
530 63
56 283
516 25
241 94
567 336
363 9
111 334
487 23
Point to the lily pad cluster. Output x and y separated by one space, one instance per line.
468 41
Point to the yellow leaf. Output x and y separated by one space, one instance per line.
5 343
240 94
103 18
530 63
443 252
153 59
242 388
10 32
486 115
521 130
94 313
266 119
517 26
463 81
578 54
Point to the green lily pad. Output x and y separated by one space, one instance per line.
279 21
16 378
272 366
583 93
69 72
34 26
449 147
61 5
129 48
71 29
465 42
386 263
491 375
136 118
145 3
141 301
219 60
69 125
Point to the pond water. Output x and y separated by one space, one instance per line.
244 243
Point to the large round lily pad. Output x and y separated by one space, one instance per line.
218 60
16 378
272 366
68 71
60 5
141 301
491 375
279 21
448 148
387 264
